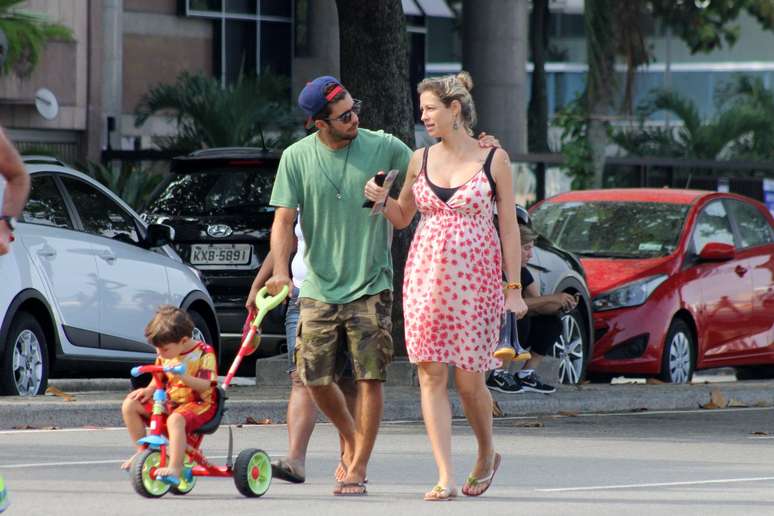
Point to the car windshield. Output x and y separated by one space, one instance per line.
614 229
215 191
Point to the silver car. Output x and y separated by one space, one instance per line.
82 280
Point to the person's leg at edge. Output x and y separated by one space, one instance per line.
331 401
134 415
302 415
348 387
477 405
437 415
316 359
369 342
302 411
369 408
177 445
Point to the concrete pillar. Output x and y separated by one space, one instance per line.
95 120
112 79
495 41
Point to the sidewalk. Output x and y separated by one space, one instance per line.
98 402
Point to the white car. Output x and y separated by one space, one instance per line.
82 280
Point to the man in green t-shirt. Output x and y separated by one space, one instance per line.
346 298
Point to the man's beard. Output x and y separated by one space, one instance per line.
341 136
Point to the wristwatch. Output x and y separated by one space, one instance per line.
9 220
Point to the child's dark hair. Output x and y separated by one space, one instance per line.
169 324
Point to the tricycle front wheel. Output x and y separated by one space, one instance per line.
141 478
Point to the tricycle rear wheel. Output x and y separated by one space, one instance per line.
252 472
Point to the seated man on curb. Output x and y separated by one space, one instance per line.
537 331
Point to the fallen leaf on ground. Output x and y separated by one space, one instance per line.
496 410
527 424
249 420
759 433
653 381
568 413
737 403
717 400
762 404
55 391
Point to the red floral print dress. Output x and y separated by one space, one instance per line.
452 286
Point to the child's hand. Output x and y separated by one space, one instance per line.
141 395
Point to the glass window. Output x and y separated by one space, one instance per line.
216 191
754 229
205 5
275 47
46 205
241 6
101 215
613 229
712 225
276 8
240 50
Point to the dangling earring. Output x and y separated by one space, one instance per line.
455 125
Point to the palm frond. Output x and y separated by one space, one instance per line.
27 33
208 115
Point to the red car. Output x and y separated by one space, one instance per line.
680 279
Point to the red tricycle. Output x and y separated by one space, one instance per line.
252 469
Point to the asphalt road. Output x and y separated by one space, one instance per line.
696 462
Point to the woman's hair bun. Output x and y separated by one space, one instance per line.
465 79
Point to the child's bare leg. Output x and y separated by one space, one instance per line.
134 415
177 445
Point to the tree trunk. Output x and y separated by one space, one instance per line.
537 111
494 37
375 69
600 43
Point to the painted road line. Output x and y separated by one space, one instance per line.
657 484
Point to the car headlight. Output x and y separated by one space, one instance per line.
631 294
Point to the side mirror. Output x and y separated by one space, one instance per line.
159 235
717 252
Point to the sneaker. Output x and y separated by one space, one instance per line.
503 382
532 383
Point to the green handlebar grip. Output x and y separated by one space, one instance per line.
266 303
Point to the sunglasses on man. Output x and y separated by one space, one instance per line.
346 116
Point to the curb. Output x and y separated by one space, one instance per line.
402 403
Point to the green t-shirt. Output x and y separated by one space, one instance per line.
347 250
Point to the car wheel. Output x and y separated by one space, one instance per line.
678 360
571 348
24 366
201 331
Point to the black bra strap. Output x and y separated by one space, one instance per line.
488 172
424 160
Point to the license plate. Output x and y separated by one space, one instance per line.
220 254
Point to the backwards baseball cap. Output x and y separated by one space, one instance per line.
313 99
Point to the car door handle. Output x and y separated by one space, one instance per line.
108 256
47 252
740 271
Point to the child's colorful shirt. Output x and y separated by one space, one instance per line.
200 363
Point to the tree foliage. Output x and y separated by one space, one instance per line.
252 112
27 33
741 129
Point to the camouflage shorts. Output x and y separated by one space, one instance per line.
327 333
